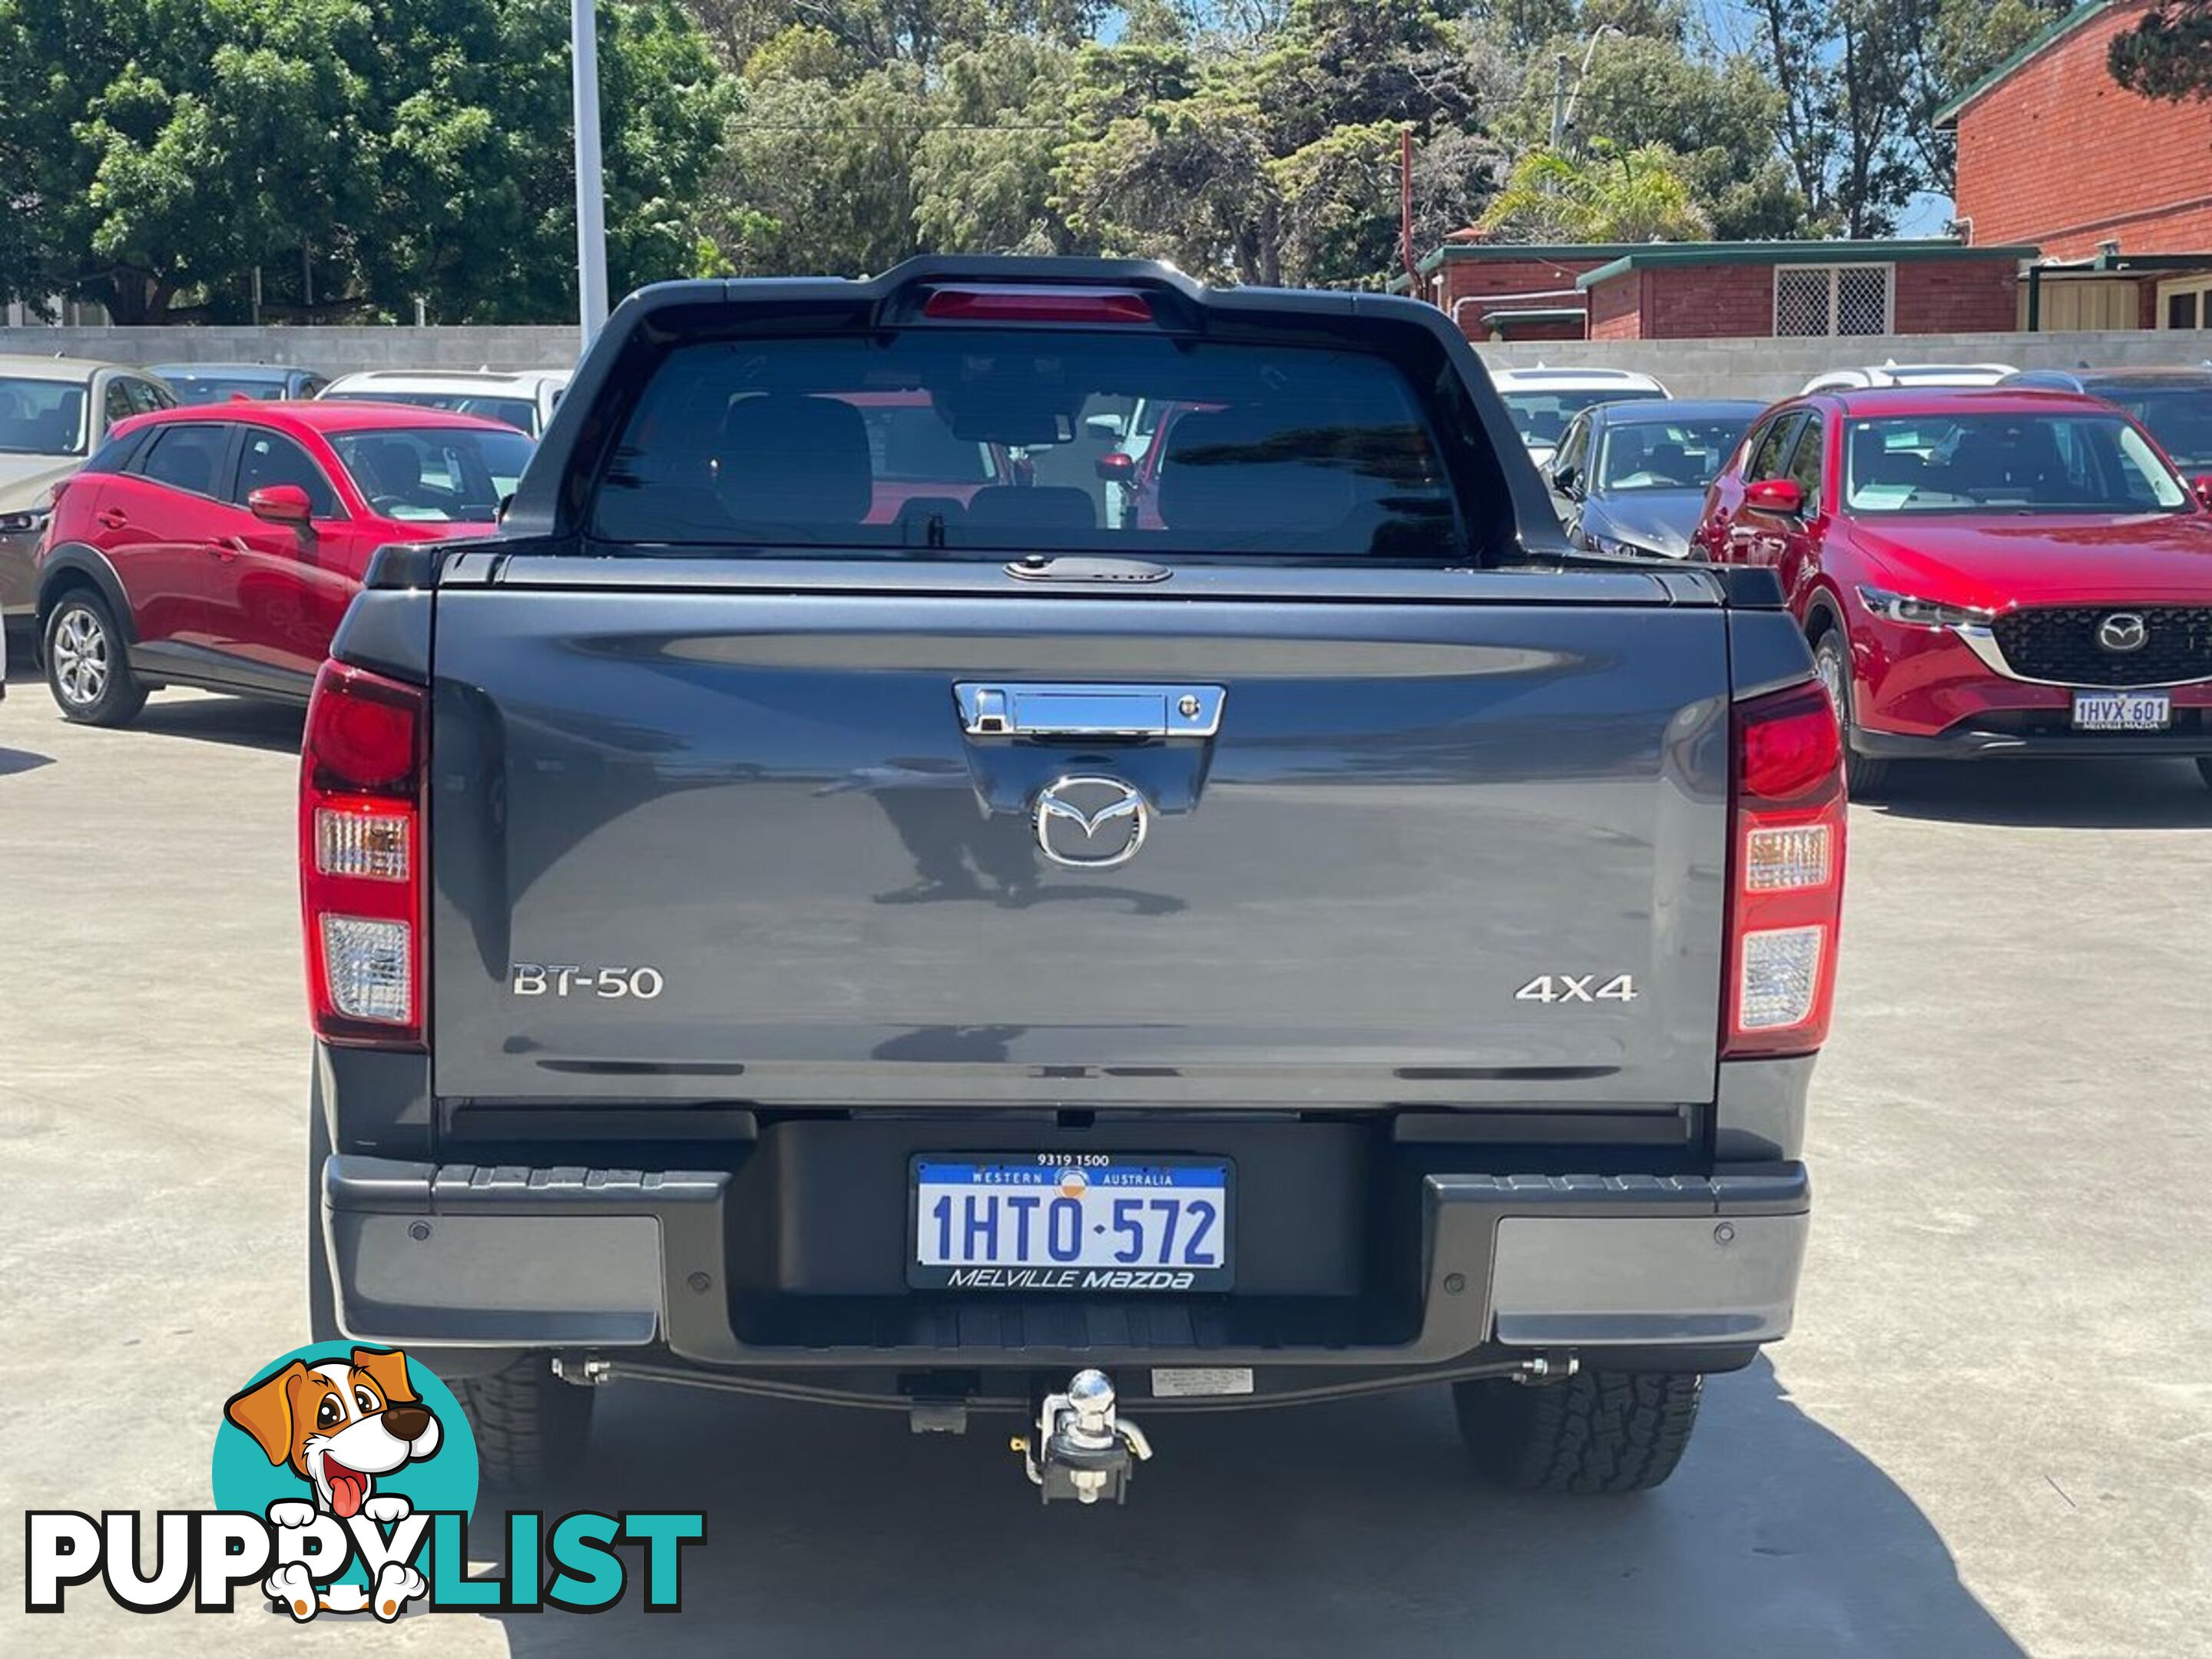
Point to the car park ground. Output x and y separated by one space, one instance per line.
1990 1435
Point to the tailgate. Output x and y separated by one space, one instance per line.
1455 853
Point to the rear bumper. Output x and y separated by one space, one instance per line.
472 1256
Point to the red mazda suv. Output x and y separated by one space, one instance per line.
1981 572
218 546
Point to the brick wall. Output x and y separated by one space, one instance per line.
2059 155
1486 283
1708 302
1955 296
1617 308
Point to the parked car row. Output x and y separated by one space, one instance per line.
56 412
1986 562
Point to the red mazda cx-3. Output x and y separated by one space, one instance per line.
1981 572
218 546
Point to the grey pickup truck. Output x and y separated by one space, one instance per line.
893 881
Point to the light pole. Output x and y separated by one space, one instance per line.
591 193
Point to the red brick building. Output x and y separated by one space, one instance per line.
2115 188
1708 290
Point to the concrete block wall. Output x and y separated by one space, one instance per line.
331 350
1769 368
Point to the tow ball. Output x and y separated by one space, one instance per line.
1081 1451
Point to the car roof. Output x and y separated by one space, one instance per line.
314 415
446 380
30 366
1568 379
1908 400
1652 410
2145 376
232 371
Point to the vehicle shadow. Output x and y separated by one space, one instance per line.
2113 794
1348 1527
242 722
13 761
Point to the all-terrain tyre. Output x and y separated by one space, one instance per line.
1598 1431
531 1428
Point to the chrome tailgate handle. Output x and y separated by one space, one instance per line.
1032 709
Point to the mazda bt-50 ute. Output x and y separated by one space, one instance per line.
826 904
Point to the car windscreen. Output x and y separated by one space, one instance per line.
2181 421
519 413
219 388
436 475
1685 454
1542 418
41 418
988 440
1985 463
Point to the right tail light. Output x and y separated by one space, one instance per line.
362 771
1786 873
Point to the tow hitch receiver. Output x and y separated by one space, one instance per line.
1081 1449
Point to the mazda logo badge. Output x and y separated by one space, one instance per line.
1090 823
2123 631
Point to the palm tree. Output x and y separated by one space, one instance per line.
1612 196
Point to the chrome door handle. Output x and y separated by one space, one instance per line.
1068 710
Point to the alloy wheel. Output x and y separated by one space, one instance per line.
81 657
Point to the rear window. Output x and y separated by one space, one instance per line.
994 441
1542 418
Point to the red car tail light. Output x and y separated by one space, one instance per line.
1027 303
1785 874
361 774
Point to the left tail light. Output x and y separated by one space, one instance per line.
361 774
1786 873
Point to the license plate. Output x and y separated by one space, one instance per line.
2123 711
1106 1222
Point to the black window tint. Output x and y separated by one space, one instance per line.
1766 460
115 454
979 439
1805 460
115 403
146 397
188 456
269 458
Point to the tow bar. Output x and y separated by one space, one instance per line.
1081 1449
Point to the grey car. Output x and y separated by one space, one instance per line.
215 383
54 412
1629 479
2174 406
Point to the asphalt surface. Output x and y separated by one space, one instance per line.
1990 1435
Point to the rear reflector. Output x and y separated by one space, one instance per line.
361 869
1029 303
1786 877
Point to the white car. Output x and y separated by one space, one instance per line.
523 400
1542 400
1896 373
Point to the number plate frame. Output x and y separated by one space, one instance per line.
2157 711
1105 1277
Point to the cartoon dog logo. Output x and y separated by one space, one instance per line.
338 1425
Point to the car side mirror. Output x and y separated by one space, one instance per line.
280 504
2201 483
1567 480
1783 496
1117 467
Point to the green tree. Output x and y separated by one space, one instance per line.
2169 53
1612 195
156 153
